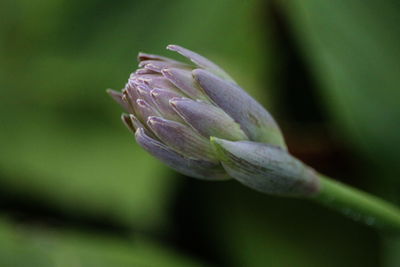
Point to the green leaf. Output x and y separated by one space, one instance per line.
353 50
21 246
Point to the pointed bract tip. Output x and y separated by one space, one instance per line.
141 56
213 140
119 98
175 100
166 72
154 92
113 93
216 144
219 142
153 120
196 72
141 102
172 47
127 120
139 131
125 117
145 56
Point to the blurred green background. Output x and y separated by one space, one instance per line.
75 190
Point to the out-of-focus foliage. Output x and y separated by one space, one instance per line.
259 230
38 247
354 51
63 146
61 136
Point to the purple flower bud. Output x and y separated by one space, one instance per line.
174 108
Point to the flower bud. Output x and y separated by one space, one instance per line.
174 108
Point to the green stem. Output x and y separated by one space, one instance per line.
358 205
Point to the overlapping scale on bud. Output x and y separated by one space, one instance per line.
265 168
174 108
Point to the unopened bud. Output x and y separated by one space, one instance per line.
174 108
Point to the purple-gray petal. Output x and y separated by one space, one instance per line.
255 121
128 123
161 99
144 93
131 122
183 79
130 95
141 78
208 119
145 110
144 56
144 71
182 139
154 81
266 168
130 89
193 168
200 61
157 66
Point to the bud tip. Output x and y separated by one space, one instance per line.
153 120
216 145
172 47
